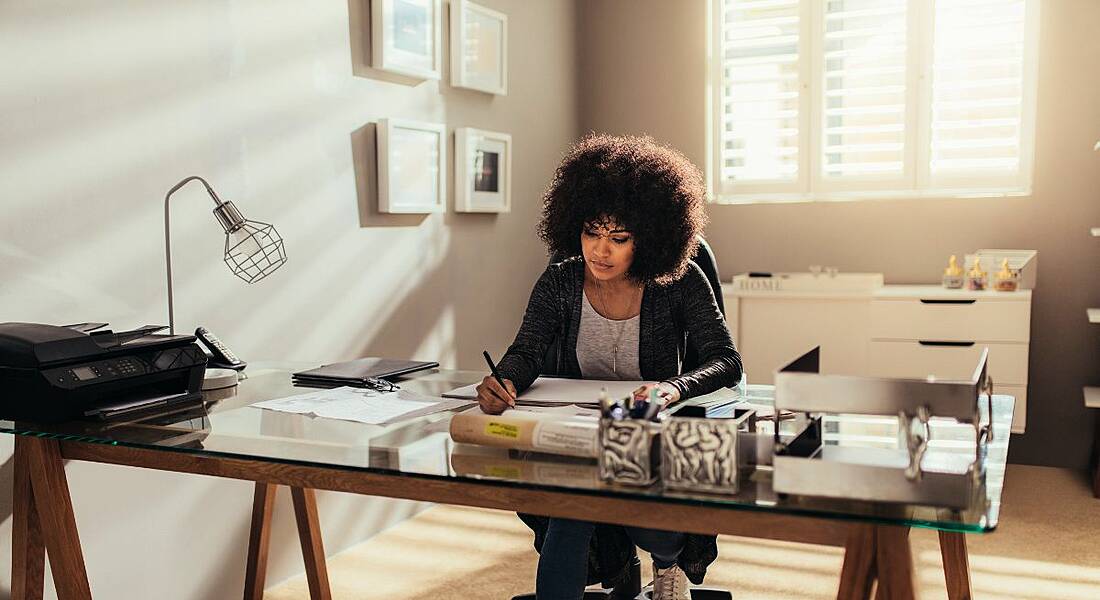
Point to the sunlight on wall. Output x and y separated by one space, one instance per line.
106 105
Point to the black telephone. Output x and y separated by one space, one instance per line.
221 357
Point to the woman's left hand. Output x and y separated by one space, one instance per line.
666 393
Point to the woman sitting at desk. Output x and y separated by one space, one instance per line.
623 307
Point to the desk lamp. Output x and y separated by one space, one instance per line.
253 250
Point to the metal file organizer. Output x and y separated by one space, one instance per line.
909 473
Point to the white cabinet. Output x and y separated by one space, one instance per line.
895 331
922 331
772 329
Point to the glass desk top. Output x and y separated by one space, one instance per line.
421 447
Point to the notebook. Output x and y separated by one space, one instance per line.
557 391
362 370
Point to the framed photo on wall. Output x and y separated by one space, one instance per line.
479 48
483 171
406 37
411 166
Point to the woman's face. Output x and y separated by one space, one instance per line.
608 249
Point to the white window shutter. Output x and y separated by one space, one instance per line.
759 124
864 92
978 78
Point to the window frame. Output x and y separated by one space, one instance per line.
916 179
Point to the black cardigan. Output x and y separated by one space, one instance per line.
671 315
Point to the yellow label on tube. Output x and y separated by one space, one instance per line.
504 430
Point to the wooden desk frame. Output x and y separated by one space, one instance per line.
43 520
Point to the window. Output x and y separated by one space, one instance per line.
834 99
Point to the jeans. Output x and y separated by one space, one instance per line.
563 563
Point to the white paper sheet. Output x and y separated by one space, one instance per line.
571 410
360 404
557 390
466 391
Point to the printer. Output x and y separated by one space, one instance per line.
55 373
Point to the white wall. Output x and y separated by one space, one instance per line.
104 105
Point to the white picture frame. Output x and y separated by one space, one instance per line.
406 37
483 171
479 48
412 167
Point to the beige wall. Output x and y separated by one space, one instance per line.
643 70
105 105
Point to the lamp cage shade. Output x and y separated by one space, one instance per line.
254 250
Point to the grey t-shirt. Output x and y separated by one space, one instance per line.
607 349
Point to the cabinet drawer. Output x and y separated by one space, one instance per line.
913 360
950 320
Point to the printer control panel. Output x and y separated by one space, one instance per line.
124 367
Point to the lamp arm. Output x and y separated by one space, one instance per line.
168 240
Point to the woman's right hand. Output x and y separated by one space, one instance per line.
493 398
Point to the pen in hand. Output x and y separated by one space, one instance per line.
496 375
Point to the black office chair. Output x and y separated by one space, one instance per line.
631 589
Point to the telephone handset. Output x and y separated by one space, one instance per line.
221 357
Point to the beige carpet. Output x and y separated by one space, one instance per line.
1047 547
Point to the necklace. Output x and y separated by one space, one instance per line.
620 322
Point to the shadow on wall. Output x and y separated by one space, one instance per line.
423 296
364 156
125 170
443 270
446 281
359 24
140 97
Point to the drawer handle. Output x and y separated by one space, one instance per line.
950 344
927 301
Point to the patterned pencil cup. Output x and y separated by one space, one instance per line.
699 454
629 451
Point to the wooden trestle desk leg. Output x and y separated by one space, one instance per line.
877 553
259 539
956 565
313 550
309 533
881 553
857 576
28 554
44 524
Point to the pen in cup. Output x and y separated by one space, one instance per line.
654 405
606 403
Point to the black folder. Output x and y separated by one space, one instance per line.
361 371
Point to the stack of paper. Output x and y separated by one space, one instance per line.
361 405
